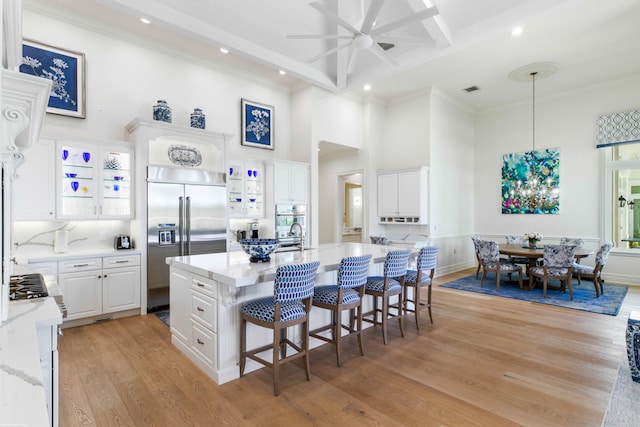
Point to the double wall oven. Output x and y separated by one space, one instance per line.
291 225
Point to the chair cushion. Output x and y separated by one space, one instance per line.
582 269
376 284
412 275
329 295
507 266
551 271
264 309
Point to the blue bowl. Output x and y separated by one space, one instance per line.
259 249
71 175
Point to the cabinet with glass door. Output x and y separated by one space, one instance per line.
95 181
245 189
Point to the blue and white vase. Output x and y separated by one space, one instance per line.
197 119
162 112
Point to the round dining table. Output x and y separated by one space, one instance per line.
520 250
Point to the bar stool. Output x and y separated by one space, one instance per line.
419 278
346 295
386 286
289 306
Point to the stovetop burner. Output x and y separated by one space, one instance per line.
26 286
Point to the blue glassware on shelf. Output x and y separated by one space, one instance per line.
197 119
230 171
249 172
255 173
74 185
65 154
86 156
116 187
162 111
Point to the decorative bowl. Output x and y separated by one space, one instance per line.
118 178
71 175
259 249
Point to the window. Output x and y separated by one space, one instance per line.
624 168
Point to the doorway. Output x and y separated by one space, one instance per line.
352 208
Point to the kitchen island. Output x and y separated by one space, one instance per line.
206 292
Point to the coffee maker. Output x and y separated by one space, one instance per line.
252 230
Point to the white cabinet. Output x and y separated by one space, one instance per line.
403 196
291 182
34 195
48 349
97 286
94 181
179 298
245 190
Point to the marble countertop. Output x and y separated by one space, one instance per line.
22 395
234 268
24 258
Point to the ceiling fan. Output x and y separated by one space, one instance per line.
370 37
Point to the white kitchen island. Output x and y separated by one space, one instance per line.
207 291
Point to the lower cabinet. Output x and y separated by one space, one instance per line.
99 286
48 348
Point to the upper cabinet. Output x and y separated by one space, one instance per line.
94 181
34 195
291 182
403 196
245 189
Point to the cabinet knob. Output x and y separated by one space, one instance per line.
199 341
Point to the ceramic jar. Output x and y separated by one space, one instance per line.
197 119
162 111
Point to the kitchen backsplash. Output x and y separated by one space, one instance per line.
38 238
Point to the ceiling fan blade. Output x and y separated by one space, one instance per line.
333 16
329 52
318 36
372 14
384 56
397 39
352 60
417 17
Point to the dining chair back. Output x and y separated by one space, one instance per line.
557 264
594 273
347 294
290 305
575 241
416 279
490 261
516 240
475 239
385 287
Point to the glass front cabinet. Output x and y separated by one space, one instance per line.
95 181
245 190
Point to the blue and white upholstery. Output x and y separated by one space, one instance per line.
346 295
594 273
574 241
289 305
516 240
489 254
386 286
475 239
557 264
421 277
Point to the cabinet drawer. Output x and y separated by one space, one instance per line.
204 310
83 264
205 286
120 261
203 343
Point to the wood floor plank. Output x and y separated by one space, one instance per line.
486 360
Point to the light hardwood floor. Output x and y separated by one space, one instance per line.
486 361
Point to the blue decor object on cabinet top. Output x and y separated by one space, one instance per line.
197 119
162 111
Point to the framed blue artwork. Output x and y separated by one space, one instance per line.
65 69
257 125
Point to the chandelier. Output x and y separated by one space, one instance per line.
537 189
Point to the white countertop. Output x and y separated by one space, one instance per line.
22 395
24 259
234 268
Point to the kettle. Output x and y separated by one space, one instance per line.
122 241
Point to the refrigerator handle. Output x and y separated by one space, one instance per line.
187 220
181 225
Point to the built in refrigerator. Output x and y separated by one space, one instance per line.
186 215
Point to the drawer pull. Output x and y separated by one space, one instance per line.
200 309
122 261
200 284
81 265
199 341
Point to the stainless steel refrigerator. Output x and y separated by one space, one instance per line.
186 215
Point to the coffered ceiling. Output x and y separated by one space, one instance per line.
466 43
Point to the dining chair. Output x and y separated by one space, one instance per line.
489 253
475 239
557 264
386 286
347 294
290 305
575 241
594 273
419 278
516 240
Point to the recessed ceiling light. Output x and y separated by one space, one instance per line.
516 31
224 50
367 87
282 72
145 21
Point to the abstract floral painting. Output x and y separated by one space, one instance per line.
64 68
257 124
531 182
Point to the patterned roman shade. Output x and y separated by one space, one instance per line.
618 128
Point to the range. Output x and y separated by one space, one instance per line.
33 285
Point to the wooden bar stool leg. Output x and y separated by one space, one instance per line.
276 360
243 345
337 332
385 313
416 304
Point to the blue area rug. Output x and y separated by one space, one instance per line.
584 296
163 315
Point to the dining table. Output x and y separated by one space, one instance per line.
533 254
